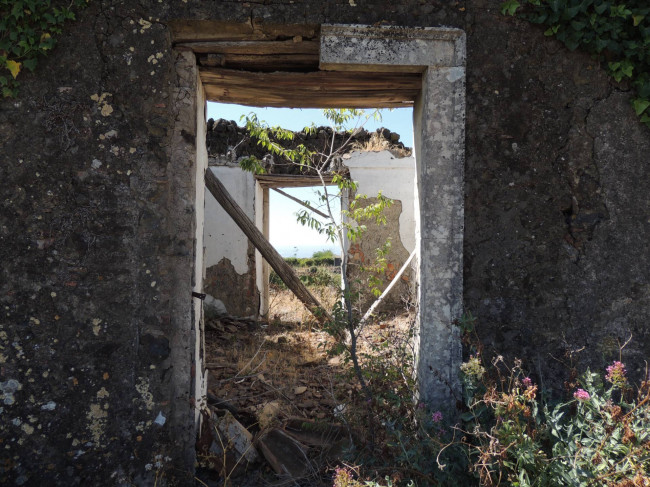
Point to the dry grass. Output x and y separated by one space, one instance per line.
285 307
377 143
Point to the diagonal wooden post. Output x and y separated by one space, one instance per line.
275 260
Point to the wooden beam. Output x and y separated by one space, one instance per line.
300 202
290 180
319 89
214 30
318 81
259 48
264 62
285 272
262 98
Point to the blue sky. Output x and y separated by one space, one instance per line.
286 234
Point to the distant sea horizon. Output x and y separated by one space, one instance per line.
304 250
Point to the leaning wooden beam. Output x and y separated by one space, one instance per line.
390 286
275 260
310 208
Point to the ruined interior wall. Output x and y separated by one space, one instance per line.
555 238
395 178
229 256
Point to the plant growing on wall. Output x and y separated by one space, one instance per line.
28 30
616 33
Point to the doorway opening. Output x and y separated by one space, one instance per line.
362 66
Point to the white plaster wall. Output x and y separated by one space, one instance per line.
222 236
201 382
394 177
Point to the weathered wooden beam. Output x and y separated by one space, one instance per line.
319 89
317 81
262 98
264 62
259 48
214 30
300 202
290 180
275 260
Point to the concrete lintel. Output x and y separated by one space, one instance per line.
390 48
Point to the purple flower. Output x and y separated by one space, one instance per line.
527 382
616 374
436 417
581 395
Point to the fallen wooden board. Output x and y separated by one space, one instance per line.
275 260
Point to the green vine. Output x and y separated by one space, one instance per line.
615 33
28 30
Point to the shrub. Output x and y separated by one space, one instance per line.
599 437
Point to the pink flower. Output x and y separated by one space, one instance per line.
436 417
581 395
527 382
616 374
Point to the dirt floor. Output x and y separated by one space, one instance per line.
269 373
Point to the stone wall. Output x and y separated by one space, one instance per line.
97 228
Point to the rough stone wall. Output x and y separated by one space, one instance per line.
96 238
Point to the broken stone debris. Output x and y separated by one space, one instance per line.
285 454
232 450
288 449
213 308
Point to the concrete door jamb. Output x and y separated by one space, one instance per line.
439 122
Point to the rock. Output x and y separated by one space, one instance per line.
333 439
299 390
285 454
232 449
213 308
268 414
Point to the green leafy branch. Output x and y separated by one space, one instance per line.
614 32
28 30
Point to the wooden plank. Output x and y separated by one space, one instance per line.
261 97
212 30
265 248
269 62
320 89
258 48
315 81
290 181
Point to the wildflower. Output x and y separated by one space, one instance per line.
436 417
527 382
148 466
342 477
473 368
530 393
581 395
616 374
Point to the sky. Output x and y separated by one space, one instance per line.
288 236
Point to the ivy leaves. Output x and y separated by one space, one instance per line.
27 31
615 32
